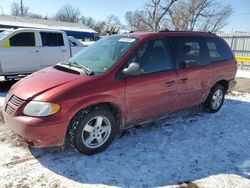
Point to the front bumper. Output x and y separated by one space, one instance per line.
37 132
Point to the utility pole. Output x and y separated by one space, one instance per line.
22 7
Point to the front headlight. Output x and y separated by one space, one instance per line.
40 109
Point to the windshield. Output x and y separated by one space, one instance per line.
103 54
4 34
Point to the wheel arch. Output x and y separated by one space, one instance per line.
224 83
110 102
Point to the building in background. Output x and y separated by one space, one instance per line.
77 30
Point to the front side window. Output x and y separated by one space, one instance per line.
189 51
153 56
52 39
103 54
26 39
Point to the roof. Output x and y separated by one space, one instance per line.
155 34
16 21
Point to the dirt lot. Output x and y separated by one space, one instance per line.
243 85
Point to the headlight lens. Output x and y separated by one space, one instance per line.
40 109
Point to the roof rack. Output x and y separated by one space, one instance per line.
164 30
167 30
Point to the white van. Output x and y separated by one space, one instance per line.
23 51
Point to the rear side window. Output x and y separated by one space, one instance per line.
189 51
217 50
52 39
23 39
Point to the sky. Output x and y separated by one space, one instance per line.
100 9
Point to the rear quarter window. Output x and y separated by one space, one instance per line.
217 50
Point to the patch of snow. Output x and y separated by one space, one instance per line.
209 150
2 98
243 74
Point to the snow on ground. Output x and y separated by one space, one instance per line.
243 73
2 97
209 150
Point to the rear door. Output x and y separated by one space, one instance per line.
21 54
152 93
53 49
190 55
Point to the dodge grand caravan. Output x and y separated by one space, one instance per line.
117 82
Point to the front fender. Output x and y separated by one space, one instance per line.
86 102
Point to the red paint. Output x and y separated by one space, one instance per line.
138 98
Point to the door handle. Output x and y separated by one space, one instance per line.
170 83
63 50
183 79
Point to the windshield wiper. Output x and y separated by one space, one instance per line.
78 65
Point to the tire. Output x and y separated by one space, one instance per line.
92 130
215 99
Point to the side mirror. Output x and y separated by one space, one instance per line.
132 70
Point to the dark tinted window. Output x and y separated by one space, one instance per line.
52 39
153 56
217 50
188 51
23 39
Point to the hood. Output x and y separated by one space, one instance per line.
42 81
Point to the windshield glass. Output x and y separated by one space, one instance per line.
103 54
4 34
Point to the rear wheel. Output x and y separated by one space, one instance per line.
92 131
215 99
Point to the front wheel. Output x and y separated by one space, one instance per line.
92 131
215 99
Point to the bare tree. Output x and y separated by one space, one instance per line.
16 10
68 14
135 22
217 20
100 27
33 15
203 15
88 21
152 17
113 20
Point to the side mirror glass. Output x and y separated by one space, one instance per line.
132 70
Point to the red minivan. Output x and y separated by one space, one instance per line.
117 82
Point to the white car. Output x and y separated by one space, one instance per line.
23 51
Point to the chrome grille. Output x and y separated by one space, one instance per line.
13 104
16 101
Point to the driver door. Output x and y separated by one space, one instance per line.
152 93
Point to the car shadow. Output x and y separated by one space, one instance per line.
183 147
